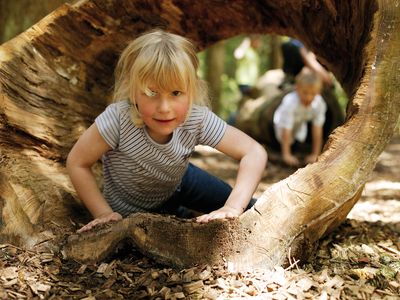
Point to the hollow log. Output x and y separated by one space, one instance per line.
56 77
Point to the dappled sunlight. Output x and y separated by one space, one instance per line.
52 171
383 185
380 200
374 210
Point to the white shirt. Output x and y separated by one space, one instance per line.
292 114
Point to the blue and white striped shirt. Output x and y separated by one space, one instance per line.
140 174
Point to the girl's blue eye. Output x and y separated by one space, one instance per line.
176 93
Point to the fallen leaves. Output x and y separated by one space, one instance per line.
352 263
359 260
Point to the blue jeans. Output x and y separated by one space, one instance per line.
199 191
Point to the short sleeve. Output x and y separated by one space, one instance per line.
212 130
320 112
284 115
108 123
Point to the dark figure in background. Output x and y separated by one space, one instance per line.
295 58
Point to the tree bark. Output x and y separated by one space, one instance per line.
56 77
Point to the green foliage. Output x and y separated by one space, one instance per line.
341 96
230 61
230 94
17 16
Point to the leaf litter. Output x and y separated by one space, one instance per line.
359 260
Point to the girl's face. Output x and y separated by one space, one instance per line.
162 111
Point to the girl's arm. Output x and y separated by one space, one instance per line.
87 151
253 159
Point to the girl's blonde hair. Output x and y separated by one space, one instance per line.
161 59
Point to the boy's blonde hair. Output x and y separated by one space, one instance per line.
162 59
308 78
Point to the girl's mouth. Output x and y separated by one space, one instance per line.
164 121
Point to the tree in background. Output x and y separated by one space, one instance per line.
214 69
16 16
224 86
275 55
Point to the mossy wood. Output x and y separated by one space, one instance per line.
57 76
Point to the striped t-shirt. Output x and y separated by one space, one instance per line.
140 174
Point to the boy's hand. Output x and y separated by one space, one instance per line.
106 218
225 212
311 158
291 160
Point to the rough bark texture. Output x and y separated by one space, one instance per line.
56 77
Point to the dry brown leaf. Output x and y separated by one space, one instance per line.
178 295
10 283
81 269
193 286
102 268
205 274
188 275
305 284
336 281
38 287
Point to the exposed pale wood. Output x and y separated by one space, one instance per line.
56 77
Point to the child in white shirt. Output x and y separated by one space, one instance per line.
303 105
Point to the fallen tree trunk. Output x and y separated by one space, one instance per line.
55 78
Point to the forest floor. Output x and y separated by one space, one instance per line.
359 260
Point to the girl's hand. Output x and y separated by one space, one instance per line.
225 212
106 218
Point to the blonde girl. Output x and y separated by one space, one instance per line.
146 137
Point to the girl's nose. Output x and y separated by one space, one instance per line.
164 104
